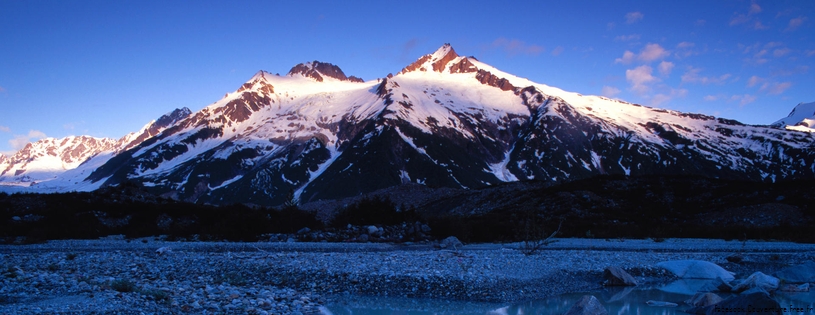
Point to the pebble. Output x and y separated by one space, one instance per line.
116 276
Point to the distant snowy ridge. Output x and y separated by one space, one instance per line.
802 118
445 120
60 164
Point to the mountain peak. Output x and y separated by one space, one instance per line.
801 118
437 61
318 70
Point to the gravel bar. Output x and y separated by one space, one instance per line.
131 277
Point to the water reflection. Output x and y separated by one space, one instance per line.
617 300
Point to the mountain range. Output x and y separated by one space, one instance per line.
445 120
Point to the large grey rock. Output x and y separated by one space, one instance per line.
704 299
616 276
803 273
757 280
587 305
741 305
696 269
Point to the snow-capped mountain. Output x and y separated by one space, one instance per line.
802 118
60 164
442 121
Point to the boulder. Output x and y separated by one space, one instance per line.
372 230
803 273
704 299
794 287
696 269
616 276
741 304
587 305
757 280
450 242
717 285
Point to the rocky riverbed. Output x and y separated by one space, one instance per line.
153 276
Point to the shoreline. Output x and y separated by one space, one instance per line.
274 278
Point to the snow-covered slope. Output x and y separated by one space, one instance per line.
802 118
443 121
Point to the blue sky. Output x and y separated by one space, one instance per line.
106 68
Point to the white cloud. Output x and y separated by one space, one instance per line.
795 23
665 68
2 89
700 22
627 58
760 26
515 46
20 141
5 129
639 78
633 17
609 91
652 52
692 76
711 98
557 51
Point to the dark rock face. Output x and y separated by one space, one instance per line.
485 77
316 70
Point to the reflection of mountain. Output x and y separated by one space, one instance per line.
443 121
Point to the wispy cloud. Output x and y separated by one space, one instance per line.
693 76
685 49
743 99
767 85
711 98
754 8
639 78
557 51
5 129
781 52
661 98
625 38
627 58
2 89
795 23
742 18
609 91
20 141
775 88
633 17
652 52
665 67
515 47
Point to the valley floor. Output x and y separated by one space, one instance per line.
129 276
